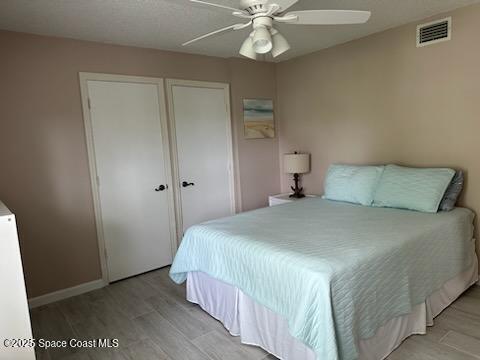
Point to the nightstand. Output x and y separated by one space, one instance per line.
284 198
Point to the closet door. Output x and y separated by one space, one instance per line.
201 132
134 184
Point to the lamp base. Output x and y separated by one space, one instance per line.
297 192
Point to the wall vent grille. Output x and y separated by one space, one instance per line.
434 32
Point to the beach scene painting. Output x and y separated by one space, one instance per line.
258 118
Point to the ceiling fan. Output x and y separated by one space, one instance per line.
262 14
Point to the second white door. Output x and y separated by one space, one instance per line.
201 131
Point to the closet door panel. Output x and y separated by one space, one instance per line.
131 166
201 117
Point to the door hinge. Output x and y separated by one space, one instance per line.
105 253
89 104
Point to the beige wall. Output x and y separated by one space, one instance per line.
44 171
254 80
381 100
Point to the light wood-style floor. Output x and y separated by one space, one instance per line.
152 320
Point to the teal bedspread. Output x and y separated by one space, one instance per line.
335 271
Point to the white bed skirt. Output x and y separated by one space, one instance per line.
257 325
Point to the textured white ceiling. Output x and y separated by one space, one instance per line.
165 24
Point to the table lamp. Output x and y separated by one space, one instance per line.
296 164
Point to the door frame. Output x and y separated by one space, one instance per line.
94 179
232 168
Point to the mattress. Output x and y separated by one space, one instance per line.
335 272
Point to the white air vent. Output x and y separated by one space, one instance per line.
434 32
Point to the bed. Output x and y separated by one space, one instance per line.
319 279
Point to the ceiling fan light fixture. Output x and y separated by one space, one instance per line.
280 44
262 40
262 15
247 49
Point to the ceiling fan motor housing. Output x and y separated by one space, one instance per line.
253 6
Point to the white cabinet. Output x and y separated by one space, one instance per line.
285 198
14 314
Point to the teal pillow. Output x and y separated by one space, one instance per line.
350 183
412 188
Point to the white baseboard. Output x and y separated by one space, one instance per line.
65 293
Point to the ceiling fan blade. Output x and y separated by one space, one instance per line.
216 5
219 31
327 17
284 4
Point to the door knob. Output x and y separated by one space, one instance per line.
187 184
161 188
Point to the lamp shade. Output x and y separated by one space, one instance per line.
262 40
280 44
247 49
296 163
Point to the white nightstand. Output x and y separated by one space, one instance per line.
284 198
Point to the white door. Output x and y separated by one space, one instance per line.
131 158
200 119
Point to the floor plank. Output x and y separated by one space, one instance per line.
145 350
78 356
129 300
41 354
469 304
107 354
77 308
108 321
219 346
459 321
169 339
463 343
473 291
425 349
168 289
50 324
180 318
